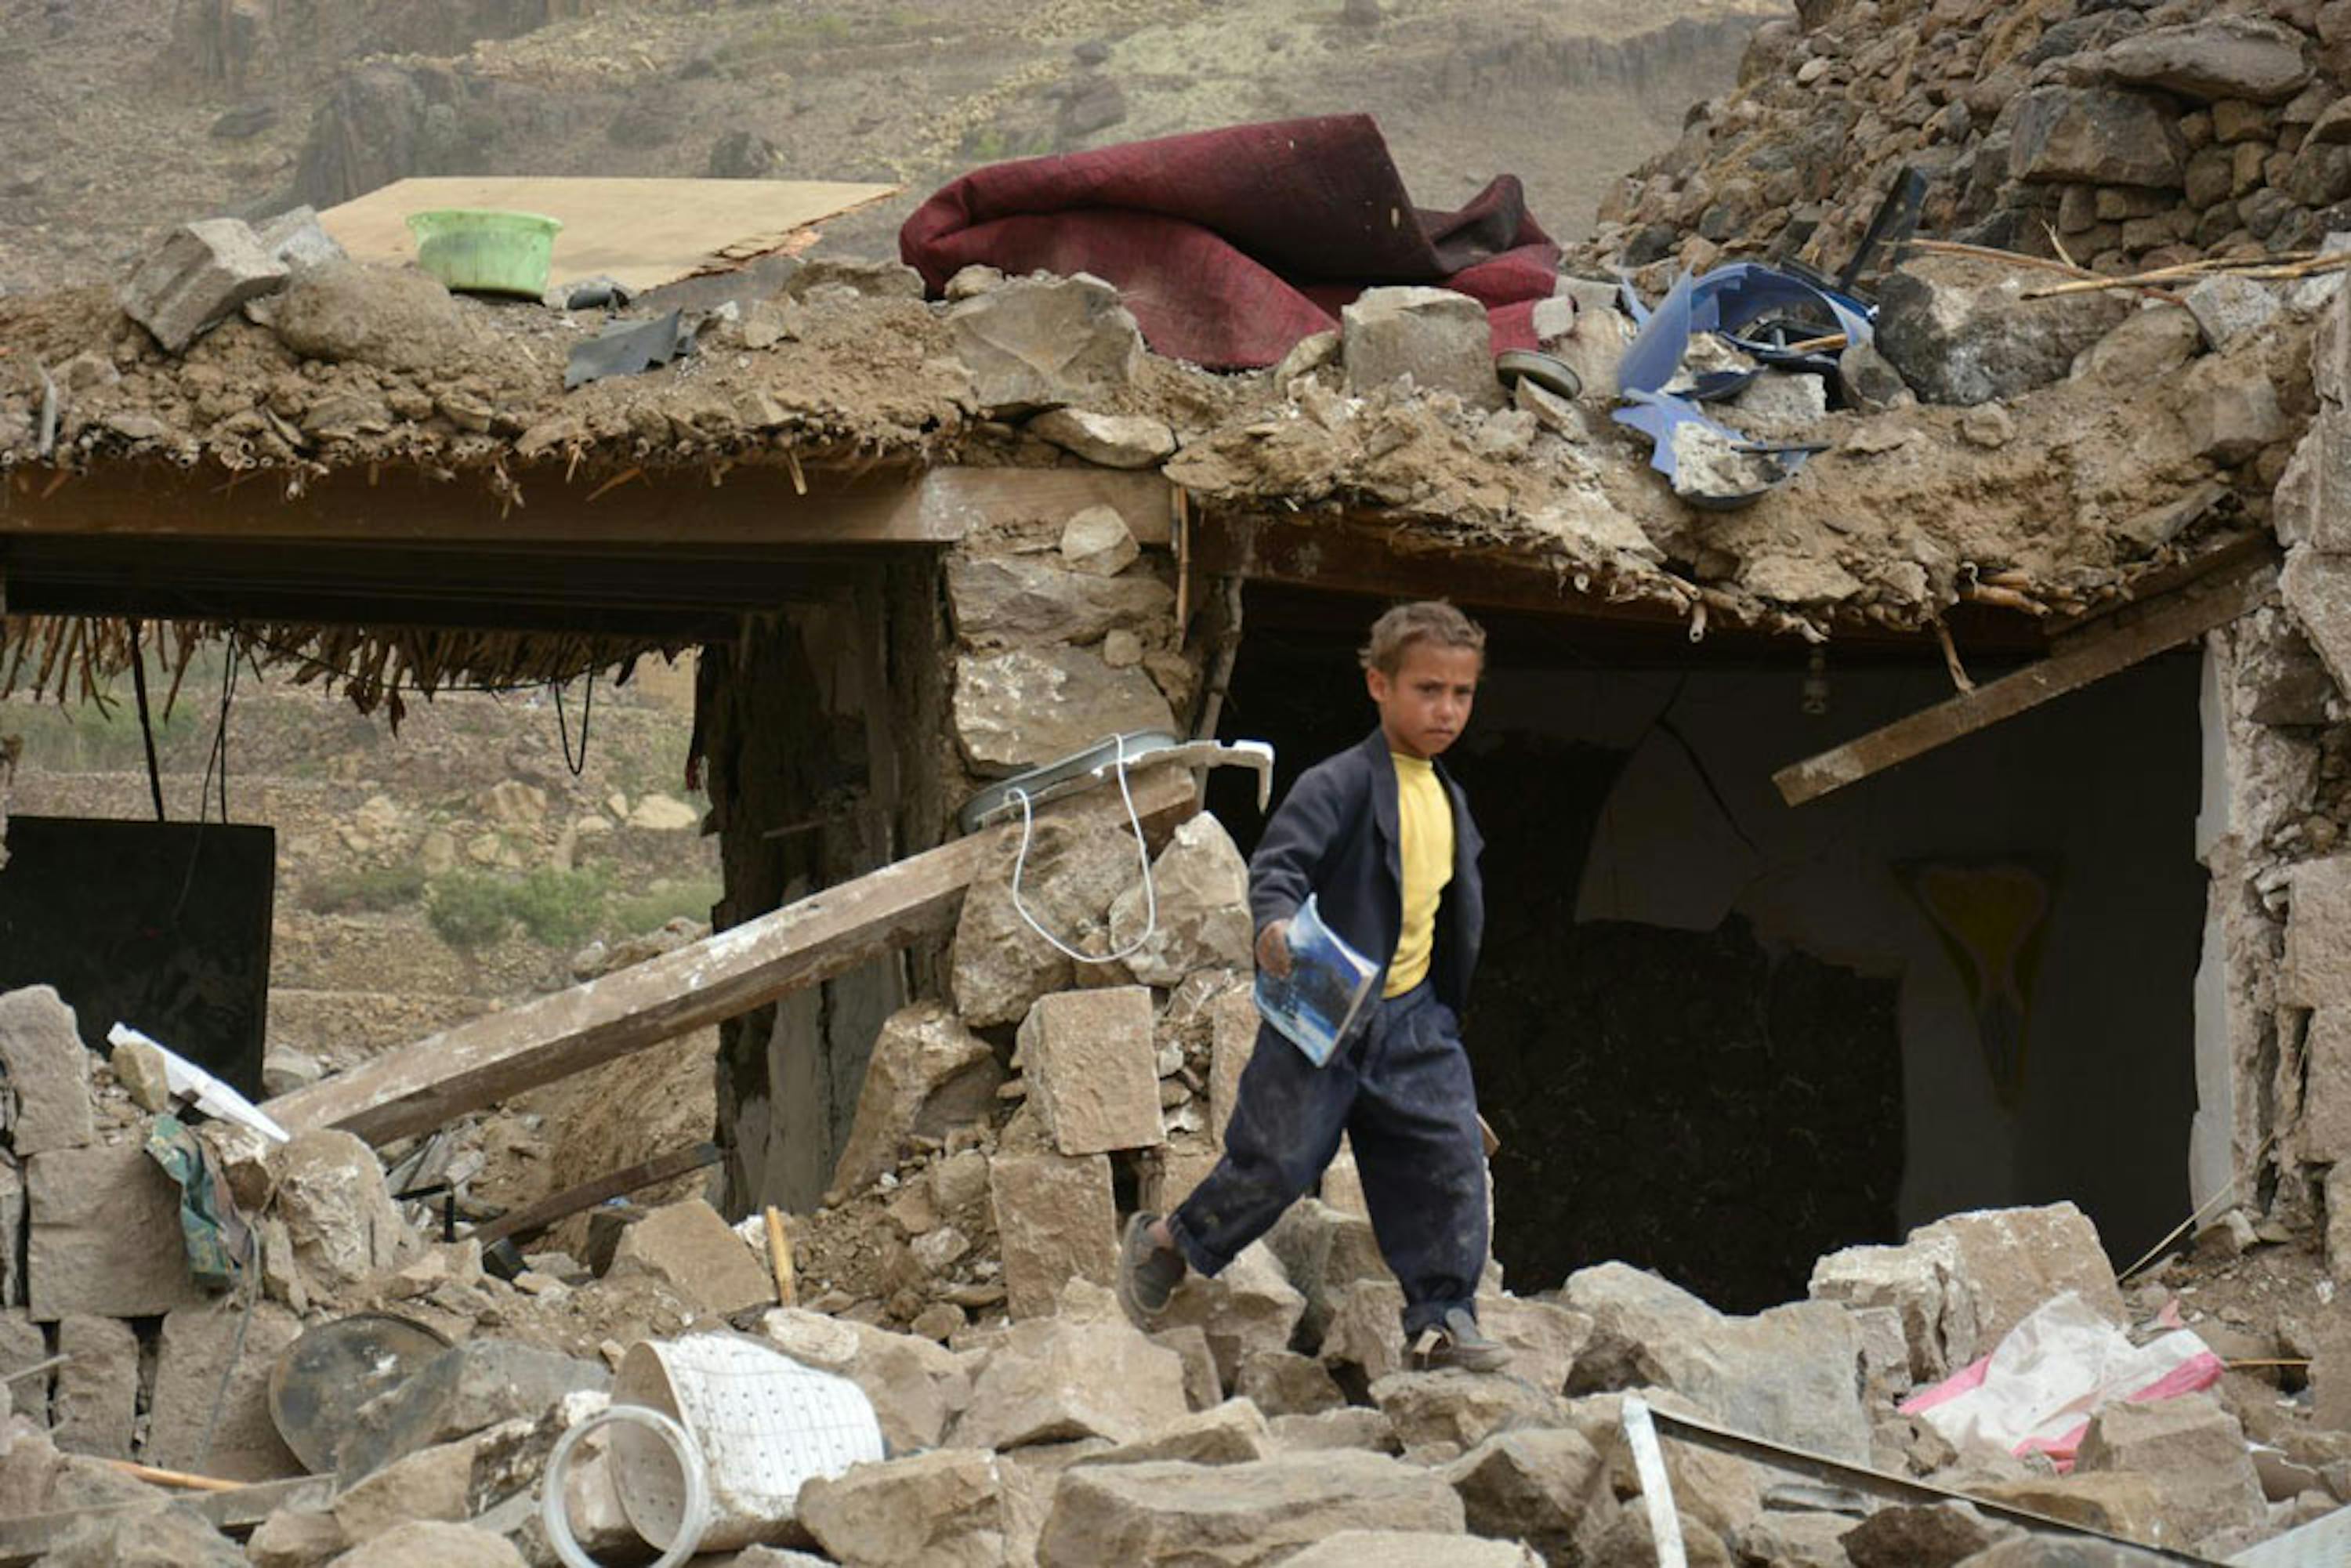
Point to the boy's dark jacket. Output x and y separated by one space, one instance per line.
1334 835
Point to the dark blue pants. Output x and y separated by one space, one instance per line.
1401 1091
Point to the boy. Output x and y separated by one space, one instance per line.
1385 841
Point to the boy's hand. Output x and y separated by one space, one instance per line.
1273 949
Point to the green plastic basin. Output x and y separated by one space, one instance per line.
485 252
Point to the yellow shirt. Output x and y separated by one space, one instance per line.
1425 850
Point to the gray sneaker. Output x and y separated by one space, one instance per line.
1148 1273
1458 1342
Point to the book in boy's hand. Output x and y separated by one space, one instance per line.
1316 1004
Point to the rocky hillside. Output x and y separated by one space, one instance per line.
131 115
2114 137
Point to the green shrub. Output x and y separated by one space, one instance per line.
559 908
367 889
633 913
468 908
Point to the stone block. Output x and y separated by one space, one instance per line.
1042 343
942 1507
1233 1024
2228 308
1250 1307
197 1349
690 1249
927 1074
2316 588
196 277
1097 542
2126 1505
1724 1494
1056 1379
1440 338
1791 1375
1350 1426
1231 1433
2192 1450
2246 58
1079 861
2317 971
157 1536
1158 1515
104 1235
1201 885
918 1386
96 1401
295 239
46 1073
1801 1540
1923 1535
433 1544
2146 345
2228 409
1536 1486
1284 1383
2095 135
1460 1408
1411 1549
434 1482
2327 1087
1365 1330
1030 705
1545 1338
1961 334
1109 440
337 1212
1091 1069
465 1389
1018 602
1055 1222
297 1538
11 1226
1203 1388
2307 508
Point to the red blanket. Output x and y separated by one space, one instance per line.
1230 245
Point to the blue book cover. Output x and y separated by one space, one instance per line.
1318 1002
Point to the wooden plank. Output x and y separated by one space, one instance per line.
422 1086
27 1538
756 505
563 1204
2158 626
641 232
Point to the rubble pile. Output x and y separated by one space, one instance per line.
2118 137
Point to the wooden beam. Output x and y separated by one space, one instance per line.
422 1086
562 1205
29 1537
750 504
2154 627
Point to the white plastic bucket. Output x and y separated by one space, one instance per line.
763 1423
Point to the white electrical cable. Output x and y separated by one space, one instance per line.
1141 854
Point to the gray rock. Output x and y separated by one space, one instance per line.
462 1391
1923 1535
1201 888
96 1405
1535 1486
1042 343
1460 1408
2192 1450
2228 408
918 1386
1111 440
1010 601
103 1235
391 316
1097 541
2229 308
2094 136
927 1073
425 1543
156 1536
1055 1379
1249 1307
1869 380
200 273
1440 338
46 1071
2147 345
1080 860
1350 1426
1959 335
295 238
1091 1069
1801 1540
1031 706
1410 1548
1055 1222
1147 1516
1232 1433
1791 1375
2243 58
943 1507
1724 1494
688 1247
339 1213
220 1353
297 1538
1284 1383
